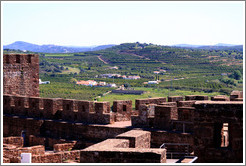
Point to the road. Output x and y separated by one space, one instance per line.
99 57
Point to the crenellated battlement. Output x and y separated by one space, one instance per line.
152 112
22 59
156 100
58 109
176 114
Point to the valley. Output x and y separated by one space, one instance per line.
180 71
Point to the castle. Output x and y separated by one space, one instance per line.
190 128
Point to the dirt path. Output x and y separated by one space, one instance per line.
99 57
142 57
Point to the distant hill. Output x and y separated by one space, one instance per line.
219 46
187 45
20 45
223 44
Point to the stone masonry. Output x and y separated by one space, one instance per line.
21 74
208 123
122 109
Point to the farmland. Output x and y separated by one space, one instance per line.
184 70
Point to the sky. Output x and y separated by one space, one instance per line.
108 22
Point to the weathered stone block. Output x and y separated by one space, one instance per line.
220 98
137 138
186 114
17 141
84 109
186 103
175 98
69 109
8 103
164 115
102 107
236 94
209 119
123 109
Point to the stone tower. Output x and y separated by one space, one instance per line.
21 74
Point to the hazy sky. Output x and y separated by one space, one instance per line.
96 23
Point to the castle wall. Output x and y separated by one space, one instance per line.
220 98
129 147
137 138
11 154
160 137
175 98
164 115
158 100
236 96
21 74
17 141
196 97
14 125
122 109
59 109
209 119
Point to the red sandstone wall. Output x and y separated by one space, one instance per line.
118 151
63 147
124 155
164 115
122 110
236 96
160 137
17 141
21 74
13 125
196 97
208 122
12 154
59 109
139 102
137 138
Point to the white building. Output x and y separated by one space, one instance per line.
132 78
45 82
115 67
87 83
153 82
102 83
110 75
112 85
156 72
92 82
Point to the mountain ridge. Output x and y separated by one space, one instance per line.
52 48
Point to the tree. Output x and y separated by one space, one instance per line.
236 75
73 80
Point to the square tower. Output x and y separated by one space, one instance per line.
21 74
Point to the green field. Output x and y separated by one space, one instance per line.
70 70
71 91
150 92
58 55
187 71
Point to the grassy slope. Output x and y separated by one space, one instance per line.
201 70
70 70
152 93
71 91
